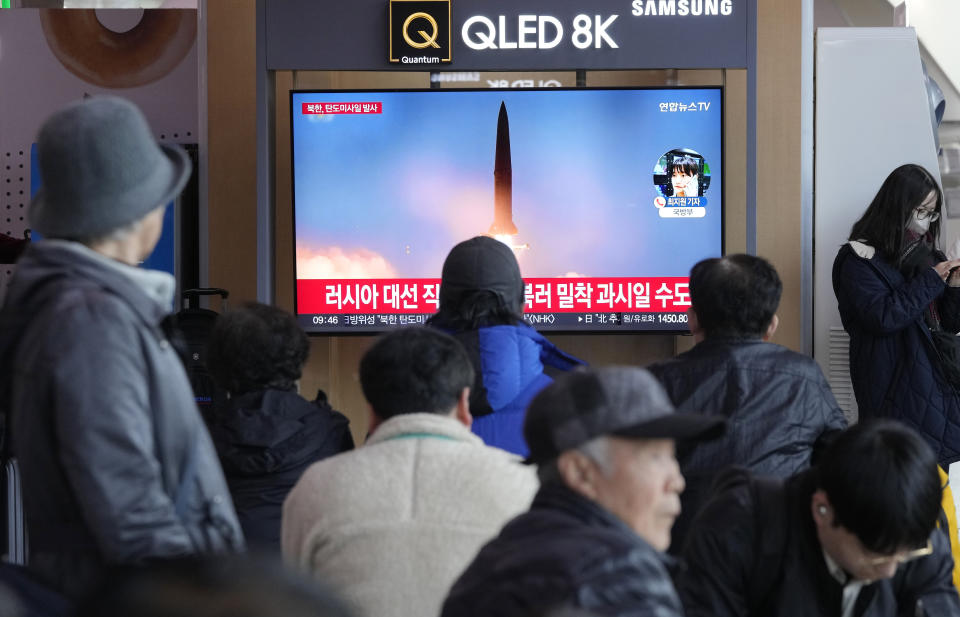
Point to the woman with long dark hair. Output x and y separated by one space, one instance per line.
899 300
481 305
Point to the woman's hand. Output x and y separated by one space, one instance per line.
947 273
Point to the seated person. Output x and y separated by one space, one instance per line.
777 402
481 304
391 524
592 541
265 433
855 535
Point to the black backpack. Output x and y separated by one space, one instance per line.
770 517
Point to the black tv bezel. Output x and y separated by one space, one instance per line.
373 331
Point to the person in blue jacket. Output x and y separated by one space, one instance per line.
481 304
898 294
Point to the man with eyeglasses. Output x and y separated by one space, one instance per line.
855 536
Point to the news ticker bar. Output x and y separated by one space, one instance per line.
623 322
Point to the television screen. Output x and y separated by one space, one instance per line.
607 197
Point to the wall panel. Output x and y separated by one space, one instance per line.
231 142
779 181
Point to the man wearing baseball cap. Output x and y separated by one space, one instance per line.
117 467
593 540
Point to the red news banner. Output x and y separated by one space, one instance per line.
543 295
341 108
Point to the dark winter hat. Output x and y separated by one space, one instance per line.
102 169
615 400
482 263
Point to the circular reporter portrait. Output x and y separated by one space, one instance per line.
681 172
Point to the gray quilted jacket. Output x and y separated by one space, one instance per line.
117 466
777 403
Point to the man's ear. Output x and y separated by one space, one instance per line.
694 325
820 509
774 322
577 472
462 412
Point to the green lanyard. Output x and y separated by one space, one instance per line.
420 436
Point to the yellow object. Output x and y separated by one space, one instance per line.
950 509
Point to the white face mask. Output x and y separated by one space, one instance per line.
918 225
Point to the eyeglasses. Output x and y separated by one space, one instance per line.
899 558
924 214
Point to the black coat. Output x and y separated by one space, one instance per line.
777 403
743 561
893 365
265 441
568 552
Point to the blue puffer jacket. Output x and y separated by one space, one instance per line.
510 362
894 366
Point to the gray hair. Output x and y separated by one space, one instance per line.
117 234
597 450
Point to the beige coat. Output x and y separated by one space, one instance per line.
391 525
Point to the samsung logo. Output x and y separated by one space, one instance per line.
682 8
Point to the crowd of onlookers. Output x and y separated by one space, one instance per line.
500 476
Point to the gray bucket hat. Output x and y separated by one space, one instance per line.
614 400
102 169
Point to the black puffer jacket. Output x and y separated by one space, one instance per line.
265 441
777 404
566 552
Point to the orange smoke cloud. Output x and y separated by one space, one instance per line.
333 262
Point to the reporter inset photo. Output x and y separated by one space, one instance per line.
682 173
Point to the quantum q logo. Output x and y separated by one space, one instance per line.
419 31
428 39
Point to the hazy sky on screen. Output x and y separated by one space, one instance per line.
402 187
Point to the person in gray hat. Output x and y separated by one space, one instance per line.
594 537
117 467
481 305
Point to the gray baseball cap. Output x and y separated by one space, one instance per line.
102 169
615 400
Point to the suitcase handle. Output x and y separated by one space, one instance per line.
192 296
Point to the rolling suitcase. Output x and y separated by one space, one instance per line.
16 542
14 549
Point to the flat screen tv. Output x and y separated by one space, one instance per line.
607 196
